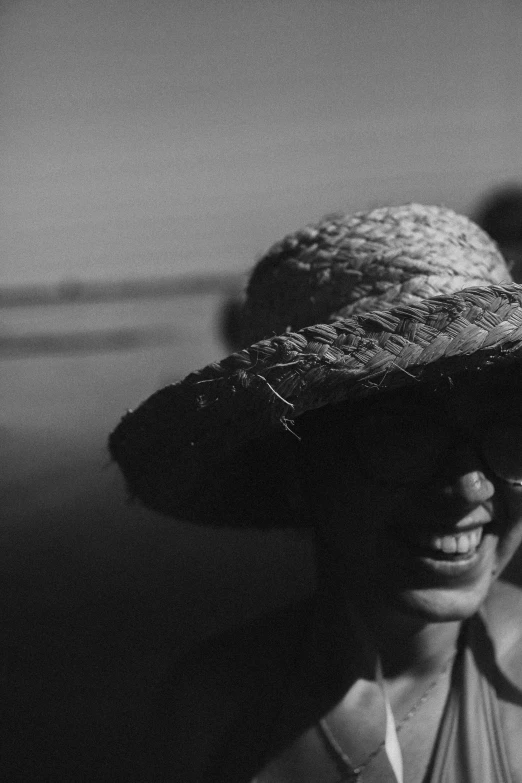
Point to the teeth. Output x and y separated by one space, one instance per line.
448 544
463 543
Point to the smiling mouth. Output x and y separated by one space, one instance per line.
455 547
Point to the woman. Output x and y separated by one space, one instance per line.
392 428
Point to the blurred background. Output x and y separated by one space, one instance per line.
152 150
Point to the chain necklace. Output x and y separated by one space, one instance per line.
353 774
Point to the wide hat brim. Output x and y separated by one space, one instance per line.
215 448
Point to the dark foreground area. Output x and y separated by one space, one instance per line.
98 599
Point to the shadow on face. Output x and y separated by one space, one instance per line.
407 497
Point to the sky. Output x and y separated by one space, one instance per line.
148 137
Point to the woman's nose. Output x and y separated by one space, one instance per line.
464 477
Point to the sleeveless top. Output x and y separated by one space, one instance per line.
470 745
231 708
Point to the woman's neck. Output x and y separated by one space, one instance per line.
406 645
409 645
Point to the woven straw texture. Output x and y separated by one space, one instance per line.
213 448
360 304
368 261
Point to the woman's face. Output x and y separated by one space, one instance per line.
413 512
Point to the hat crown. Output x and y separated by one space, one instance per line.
375 260
210 447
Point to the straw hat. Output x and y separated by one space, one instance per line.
351 307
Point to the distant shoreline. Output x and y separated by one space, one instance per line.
80 291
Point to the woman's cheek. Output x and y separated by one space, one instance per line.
510 533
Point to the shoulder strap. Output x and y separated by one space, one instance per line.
471 744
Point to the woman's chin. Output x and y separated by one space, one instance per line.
437 604
438 587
